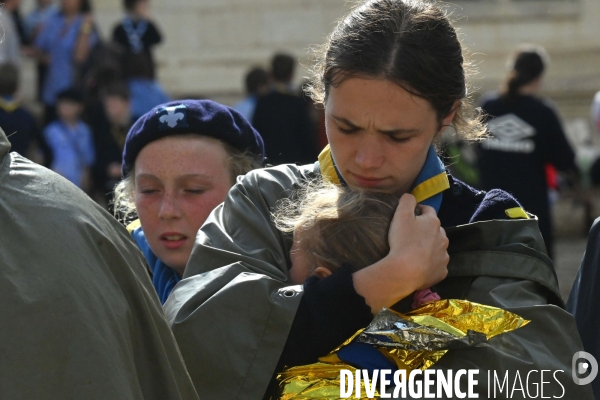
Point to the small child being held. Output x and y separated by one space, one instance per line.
335 226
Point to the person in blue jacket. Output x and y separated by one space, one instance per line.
65 44
179 161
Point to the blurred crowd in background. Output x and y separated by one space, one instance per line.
92 88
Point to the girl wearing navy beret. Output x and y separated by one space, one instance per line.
179 161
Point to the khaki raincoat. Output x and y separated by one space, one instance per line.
79 318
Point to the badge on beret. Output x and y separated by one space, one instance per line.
172 117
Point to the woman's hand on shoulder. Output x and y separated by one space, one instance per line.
418 257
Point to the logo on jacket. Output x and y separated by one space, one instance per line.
173 116
511 134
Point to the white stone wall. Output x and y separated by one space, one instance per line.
209 44
569 31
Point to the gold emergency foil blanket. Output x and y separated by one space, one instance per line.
466 315
393 330
416 340
411 359
315 381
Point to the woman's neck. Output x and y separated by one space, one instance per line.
531 88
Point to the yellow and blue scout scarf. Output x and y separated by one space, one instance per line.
427 188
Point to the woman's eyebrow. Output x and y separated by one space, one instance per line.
389 132
345 121
398 131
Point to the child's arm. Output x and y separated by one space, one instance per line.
85 40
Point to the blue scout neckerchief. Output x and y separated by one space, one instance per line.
134 33
427 189
164 278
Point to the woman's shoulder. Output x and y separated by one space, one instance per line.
278 180
300 171
464 204
548 106
488 98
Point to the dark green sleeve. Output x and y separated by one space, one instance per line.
80 318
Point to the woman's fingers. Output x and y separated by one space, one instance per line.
418 257
444 259
419 241
406 206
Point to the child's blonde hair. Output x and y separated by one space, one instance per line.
338 225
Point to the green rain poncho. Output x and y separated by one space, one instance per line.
79 318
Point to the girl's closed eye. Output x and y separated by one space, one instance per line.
196 186
195 190
148 190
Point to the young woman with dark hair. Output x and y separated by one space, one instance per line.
526 137
392 78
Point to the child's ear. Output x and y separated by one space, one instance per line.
322 272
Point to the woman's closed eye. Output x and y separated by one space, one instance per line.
194 191
348 131
402 139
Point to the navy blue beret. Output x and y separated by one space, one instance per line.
204 117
